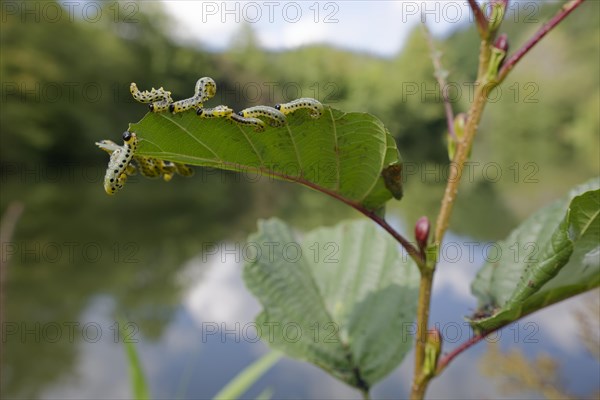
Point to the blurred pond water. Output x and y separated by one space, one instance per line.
165 260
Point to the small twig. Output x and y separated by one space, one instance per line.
446 359
480 19
440 75
412 251
565 10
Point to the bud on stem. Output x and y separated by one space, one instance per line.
498 10
501 43
422 233
460 121
433 349
499 51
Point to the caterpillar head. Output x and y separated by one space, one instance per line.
129 137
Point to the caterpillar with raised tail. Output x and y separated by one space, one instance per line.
148 167
109 146
118 165
160 98
205 89
315 106
276 117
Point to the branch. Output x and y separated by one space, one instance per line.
440 74
483 87
446 359
460 157
412 251
420 382
565 10
480 19
408 246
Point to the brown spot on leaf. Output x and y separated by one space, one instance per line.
392 176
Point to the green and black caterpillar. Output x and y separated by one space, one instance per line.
120 164
159 100
257 117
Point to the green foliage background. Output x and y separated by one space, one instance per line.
51 114
546 113
35 128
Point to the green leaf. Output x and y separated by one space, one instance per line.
341 298
553 255
341 154
242 382
139 385
266 394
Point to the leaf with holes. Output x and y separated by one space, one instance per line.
345 155
553 255
342 298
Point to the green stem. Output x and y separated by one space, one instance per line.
483 87
420 381
462 152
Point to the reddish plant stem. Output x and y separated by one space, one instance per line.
412 251
446 359
409 247
480 19
565 10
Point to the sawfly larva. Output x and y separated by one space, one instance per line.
160 98
315 106
215 112
258 124
119 162
276 117
205 89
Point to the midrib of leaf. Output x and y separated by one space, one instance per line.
340 186
167 155
322 302
345 345
300 167
262 162
362 265
192 136
586 226
294 178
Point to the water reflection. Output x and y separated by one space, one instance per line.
83 262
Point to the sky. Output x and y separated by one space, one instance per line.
377 27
